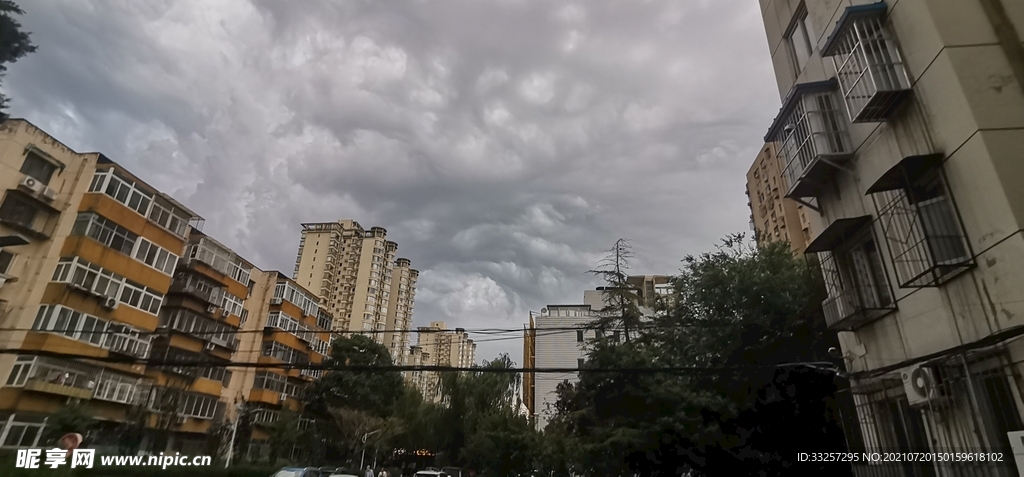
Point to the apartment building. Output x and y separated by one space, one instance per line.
902 123
199 320
353 271
118 294
296 332
87 288
438 346
556 344
529 391
775 218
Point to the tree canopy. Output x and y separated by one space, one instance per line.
742 305
14 43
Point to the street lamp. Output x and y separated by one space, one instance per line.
363 456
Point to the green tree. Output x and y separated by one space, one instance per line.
14 43
742 306
283 434
621 308
373 391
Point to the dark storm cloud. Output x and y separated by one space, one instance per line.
504 144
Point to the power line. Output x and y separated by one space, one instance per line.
365 368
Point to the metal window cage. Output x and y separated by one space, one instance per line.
872 77
854 300
925 233
813 131
960 403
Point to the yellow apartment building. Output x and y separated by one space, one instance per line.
117 301
358 278
87 288
774 217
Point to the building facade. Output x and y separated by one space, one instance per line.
903 124
354 270
557 343
438 346
774 217
120 304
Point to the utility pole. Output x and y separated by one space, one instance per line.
234 432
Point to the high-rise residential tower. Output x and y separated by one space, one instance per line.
353 270
773 217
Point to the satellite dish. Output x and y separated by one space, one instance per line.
543 310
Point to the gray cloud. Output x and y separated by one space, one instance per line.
504 144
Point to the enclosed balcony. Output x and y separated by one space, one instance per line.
60 376
851 265
920 222
814 143
207 291
872 77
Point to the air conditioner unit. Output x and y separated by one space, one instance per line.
920 384
276 301
49 194
179 420
210 347
224 312
32 184
110 303
211 309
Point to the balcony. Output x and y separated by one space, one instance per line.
872 77
200 290
813 138
858 288
62 377
920 223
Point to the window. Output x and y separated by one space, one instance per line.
925 237
599 334
233 304
856 282
164 217
6 261
615 336
871 73
21 370
141 297
579 363
799 40
579 336
153 255
19 211
90 329
105 232
38 168
116 388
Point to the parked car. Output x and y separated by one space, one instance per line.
298 472
452 471
342 474
430 473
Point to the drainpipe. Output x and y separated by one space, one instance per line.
1006 34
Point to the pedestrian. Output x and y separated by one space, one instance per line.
383 473
369 471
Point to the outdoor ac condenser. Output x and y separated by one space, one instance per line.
1017 445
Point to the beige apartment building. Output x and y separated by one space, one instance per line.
903 124
438 346
774 217
354 270
114 269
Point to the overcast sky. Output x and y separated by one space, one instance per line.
504 144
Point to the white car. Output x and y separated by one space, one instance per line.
430 473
